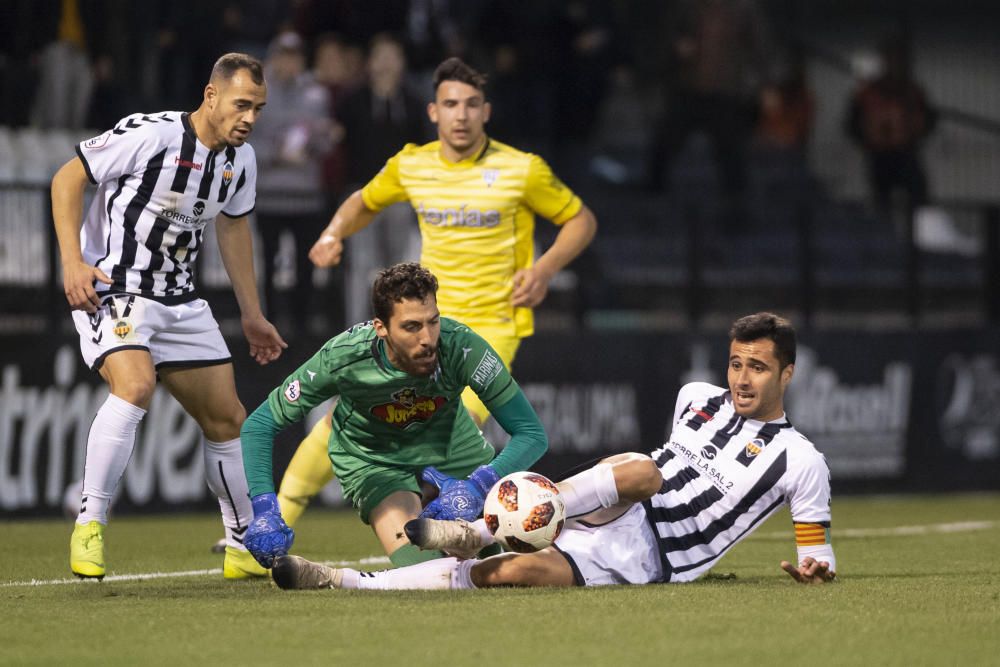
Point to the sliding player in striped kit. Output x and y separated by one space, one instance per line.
732 460
127 275
476 201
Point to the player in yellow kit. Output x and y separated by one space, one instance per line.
476 201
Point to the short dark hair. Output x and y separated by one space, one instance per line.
455 69
767 325
407 280
229 64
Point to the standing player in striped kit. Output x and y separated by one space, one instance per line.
476 200
128 277
732 460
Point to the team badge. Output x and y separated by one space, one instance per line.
491 176
227 173
292 391
754 447
122 328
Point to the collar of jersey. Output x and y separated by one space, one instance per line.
189 130
467 162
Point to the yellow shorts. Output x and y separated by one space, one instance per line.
505 346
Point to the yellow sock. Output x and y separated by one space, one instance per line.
308 472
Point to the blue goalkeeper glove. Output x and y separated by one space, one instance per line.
267 536
459 498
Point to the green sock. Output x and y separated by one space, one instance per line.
410 554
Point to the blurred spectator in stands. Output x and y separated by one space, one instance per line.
787 107
583 53
339 67
66 80
785 116
249 25
719 58
622 130
378 118
889 117
291 138
180 42
108 102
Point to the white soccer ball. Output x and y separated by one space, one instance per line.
525 512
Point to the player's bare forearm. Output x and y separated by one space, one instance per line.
531 285
236 248
351 217
575 235
68 185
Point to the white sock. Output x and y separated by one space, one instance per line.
430 575
109 448
589 490
484 533
461 578
225 477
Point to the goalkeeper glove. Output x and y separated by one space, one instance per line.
459 498
267 536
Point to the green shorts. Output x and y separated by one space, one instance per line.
367 484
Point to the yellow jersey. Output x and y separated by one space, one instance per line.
477 223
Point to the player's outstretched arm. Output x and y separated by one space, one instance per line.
532 284
67 211
809 571
350 218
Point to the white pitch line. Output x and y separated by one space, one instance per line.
370 560
895 531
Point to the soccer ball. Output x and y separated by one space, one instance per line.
524 512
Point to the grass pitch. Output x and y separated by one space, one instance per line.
920 585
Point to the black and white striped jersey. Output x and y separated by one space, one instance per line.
723 475
158 186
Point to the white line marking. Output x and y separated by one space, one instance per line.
895 531
215 571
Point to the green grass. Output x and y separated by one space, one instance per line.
922 599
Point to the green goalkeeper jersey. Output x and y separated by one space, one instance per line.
386 416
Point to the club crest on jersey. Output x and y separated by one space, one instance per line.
754 447
227 173
123 328
491 176
293 391
408 407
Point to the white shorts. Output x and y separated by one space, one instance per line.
185 334
623 551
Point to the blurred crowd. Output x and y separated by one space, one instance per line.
570 79
609 92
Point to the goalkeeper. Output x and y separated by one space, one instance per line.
476 200
399 418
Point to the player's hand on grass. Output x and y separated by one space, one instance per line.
459 498
327 251
267 536
78 284
811 571
265 342
530 287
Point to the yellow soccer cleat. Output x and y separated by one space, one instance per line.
86 550
241 565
